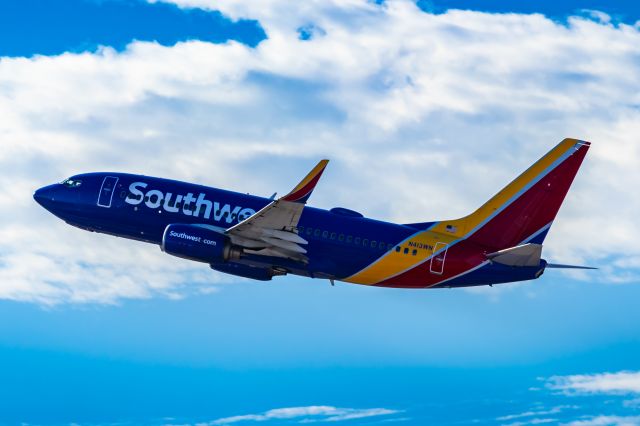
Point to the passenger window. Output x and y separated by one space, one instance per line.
365 242
398 249
341 237
349 239
406 250
414 252
390 246
374 244
333 235
325 234
309 231
317 233
357 240
382 245
300 230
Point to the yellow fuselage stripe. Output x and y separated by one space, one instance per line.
394 263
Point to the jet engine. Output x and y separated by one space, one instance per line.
198 243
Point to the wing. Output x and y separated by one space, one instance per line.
272 230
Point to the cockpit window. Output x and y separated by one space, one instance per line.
72 183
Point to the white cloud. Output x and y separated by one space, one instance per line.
534 413
604 383
607 421
425 116
533 421
310 414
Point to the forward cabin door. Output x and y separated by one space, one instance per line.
438 258
106 191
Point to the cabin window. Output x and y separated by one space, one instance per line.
406 250
414 252
309 231
382 245
398 249
365 242
300 230
341 237
349 239
374 244
333 235
317 233
357 240
390 246
325 234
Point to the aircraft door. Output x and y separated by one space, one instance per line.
106 191
438 258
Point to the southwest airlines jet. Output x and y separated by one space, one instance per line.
260 238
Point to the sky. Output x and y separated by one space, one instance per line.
425 110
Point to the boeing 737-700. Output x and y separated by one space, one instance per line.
260 238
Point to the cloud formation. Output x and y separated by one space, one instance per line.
310 414
607 421
424 115
622 382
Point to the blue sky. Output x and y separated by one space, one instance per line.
426 121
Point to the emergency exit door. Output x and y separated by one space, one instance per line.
438 258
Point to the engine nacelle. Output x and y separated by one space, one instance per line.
198 243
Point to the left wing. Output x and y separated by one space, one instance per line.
272 230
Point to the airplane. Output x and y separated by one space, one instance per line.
259 238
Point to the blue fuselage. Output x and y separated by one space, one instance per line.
340 242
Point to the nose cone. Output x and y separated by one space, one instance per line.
45 196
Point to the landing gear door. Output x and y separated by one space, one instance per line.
106 191
438 258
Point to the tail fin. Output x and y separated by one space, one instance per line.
524 210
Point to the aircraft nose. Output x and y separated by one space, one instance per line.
44 196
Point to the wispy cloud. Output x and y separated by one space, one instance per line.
534 417
309 414
623 382
607 421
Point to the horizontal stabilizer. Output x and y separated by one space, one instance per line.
558 266
523 255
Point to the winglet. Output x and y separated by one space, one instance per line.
301 193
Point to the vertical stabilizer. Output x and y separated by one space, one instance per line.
524 210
